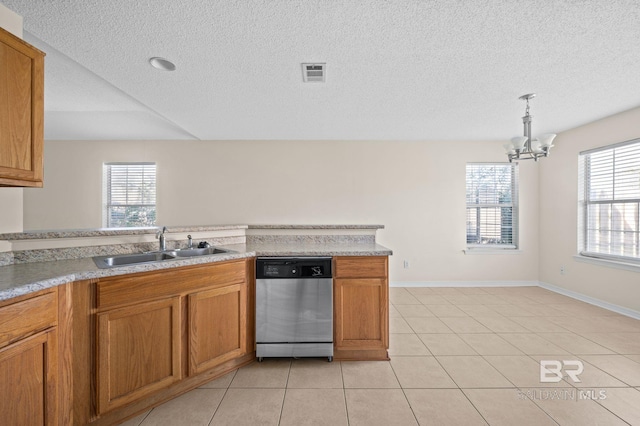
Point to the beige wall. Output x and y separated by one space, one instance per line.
415 189
10 198
10 21
558 215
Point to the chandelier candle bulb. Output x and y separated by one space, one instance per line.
546 140
509 148
518 142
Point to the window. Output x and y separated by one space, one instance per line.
130 194
492 205
609 202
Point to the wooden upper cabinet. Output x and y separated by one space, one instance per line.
21 112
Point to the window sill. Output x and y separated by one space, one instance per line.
608 263
491 251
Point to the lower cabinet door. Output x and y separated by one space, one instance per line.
138 351
28 384
217 326
360 313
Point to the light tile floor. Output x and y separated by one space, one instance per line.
459 356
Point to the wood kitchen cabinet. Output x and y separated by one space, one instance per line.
138 351
361 308
21 112
147 337
29 370
217 326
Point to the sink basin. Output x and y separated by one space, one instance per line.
130 259
160 256
197 252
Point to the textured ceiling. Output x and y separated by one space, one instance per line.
396 69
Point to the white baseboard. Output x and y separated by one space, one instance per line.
463 283
592 300
574 295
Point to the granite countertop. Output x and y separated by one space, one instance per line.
317 249
315 226
24 278
109 232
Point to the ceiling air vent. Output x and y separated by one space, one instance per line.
314 73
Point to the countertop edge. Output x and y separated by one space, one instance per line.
76 272
108 232
35 286
266 226
281 253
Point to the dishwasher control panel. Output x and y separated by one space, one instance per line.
293 267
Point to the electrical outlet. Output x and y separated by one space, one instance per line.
562 270
406 264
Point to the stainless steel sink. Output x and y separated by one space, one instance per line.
160 256
130 259
197 252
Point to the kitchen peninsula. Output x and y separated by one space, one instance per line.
123 339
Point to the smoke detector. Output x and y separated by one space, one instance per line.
314 73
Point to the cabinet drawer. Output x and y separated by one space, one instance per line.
133 288
27 317
361 267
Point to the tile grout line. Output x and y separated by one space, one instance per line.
344 394
284 395
403 392
226 390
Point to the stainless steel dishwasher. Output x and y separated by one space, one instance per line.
294 307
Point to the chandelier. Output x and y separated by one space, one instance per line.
524 147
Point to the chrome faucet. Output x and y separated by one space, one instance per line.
160 236
190 244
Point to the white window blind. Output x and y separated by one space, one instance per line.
492 205
609 202
130 194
